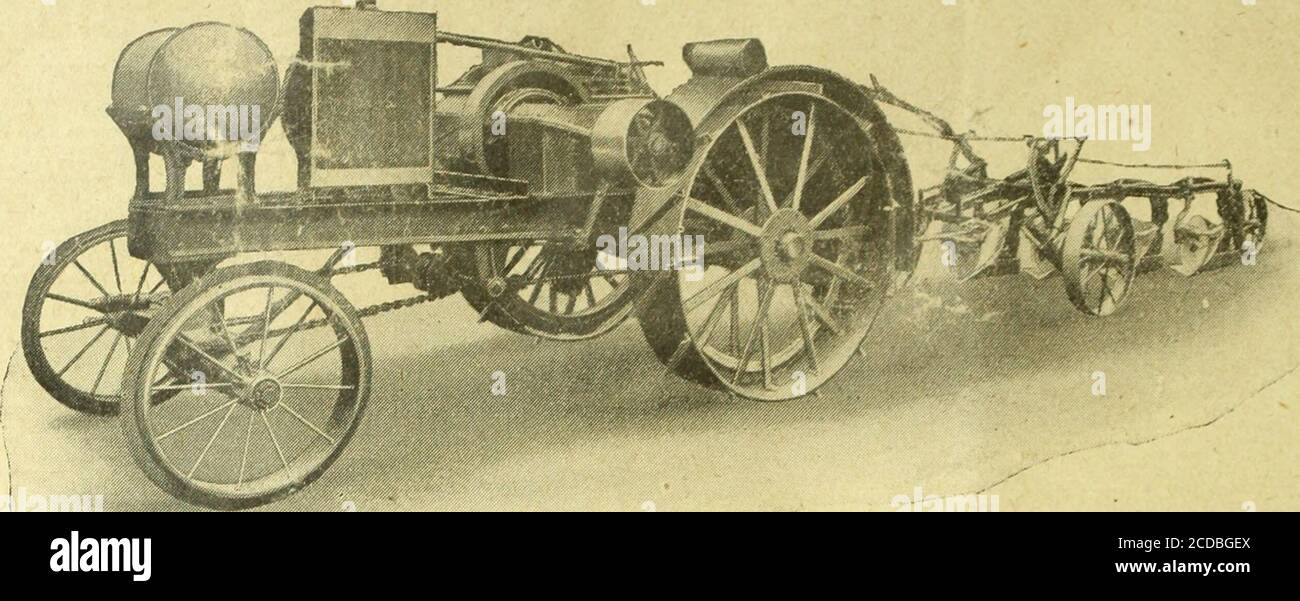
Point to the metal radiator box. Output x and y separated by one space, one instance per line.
373 89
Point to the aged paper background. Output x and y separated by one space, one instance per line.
1220 76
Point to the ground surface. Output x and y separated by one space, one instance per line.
985 387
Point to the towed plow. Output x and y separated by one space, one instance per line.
1040 222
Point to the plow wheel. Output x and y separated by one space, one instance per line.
232 399
1099 257
550 290
1254 222
85 306
795 257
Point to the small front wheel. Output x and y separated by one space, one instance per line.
246 386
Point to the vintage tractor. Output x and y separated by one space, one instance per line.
242 383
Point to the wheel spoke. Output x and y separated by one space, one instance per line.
313 357
706 330
1110 293
117 273
77 357
840 270
813 170
757 162
768 291
212 439
723 217
492 261
833 293
805 326
735 319
179 382
718 287
1091 274
243 461
92 279
852 232
1105 285
316 387
824 315
721 187
94 389
172 387
283 341
838 204
727 247
73 301
536 294
678 354
306 423
514 261
1099 238
139 287
802 180
275 441
98 321
209 413
225 330
538 269
266 330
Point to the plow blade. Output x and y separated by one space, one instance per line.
1195 242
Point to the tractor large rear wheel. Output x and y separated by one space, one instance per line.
796 255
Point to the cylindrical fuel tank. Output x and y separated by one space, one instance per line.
130 77
728 58
206 65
